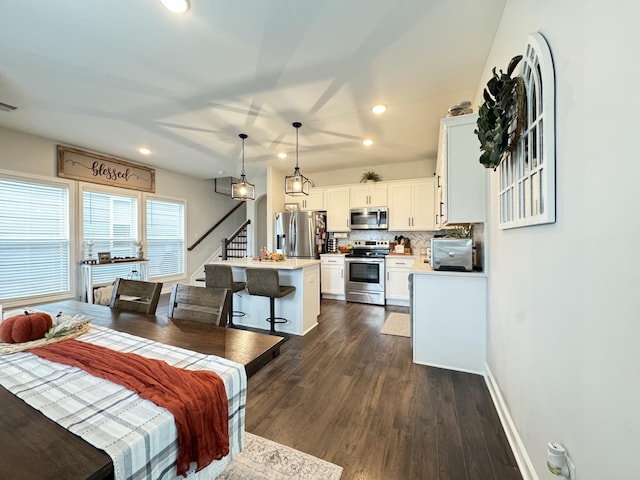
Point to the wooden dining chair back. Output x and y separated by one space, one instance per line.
200 304
136 295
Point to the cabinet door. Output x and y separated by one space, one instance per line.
397 286
377 195
337 209
332 279
465 178
462 183
359 196
423 197
399 206
314 201
441 180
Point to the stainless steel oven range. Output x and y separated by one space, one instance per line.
364 279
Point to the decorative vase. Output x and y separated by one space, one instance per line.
140 253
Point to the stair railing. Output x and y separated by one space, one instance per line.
208 232
233 239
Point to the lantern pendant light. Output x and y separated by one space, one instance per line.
296 184
243 190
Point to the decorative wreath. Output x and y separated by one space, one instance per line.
501 116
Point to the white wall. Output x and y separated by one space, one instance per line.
564 319
28 154
392 171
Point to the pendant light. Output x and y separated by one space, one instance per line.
296 184
243 190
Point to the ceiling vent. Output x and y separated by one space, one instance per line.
7 108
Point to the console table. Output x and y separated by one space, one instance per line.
87 273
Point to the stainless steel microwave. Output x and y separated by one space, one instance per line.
373 218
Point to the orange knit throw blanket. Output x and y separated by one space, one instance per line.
196 398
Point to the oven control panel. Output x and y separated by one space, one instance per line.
371 244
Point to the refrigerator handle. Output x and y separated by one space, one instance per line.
292 235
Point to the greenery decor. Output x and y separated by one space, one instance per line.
370 176
501 116
461 231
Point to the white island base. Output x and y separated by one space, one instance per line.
301 308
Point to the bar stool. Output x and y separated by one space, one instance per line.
265 282
221 276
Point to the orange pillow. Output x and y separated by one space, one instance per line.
26 327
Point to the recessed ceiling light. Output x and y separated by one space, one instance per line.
176 6
282 155
144 151
379 109
221 172
367 142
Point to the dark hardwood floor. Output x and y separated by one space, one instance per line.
348 394
352 396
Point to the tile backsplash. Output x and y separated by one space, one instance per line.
418 240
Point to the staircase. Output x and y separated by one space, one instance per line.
236 245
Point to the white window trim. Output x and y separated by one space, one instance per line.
514 176
73 226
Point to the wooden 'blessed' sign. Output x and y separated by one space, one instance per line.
92 167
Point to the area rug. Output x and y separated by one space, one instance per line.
262 459
397 324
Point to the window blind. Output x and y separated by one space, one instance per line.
34 239
110 224
165 237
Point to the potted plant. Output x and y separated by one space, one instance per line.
501 116
370 176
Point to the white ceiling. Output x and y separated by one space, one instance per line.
114 75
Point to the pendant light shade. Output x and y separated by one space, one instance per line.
296 184
243 190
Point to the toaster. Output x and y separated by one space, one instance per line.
452 254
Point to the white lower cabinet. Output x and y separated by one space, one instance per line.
449 316
397 282
332 276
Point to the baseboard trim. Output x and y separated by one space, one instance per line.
517 446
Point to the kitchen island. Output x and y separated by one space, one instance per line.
448 312
301 308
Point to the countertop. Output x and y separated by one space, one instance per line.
288 264
422 268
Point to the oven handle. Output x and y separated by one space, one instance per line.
363 260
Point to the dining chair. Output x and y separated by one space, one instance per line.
200 304
135 295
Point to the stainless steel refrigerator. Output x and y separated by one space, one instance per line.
300 234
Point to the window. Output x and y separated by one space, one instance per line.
110 224
527 177
165 237
34 239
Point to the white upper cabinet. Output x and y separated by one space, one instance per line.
412 205
313 201
337 206
368 195
461 179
